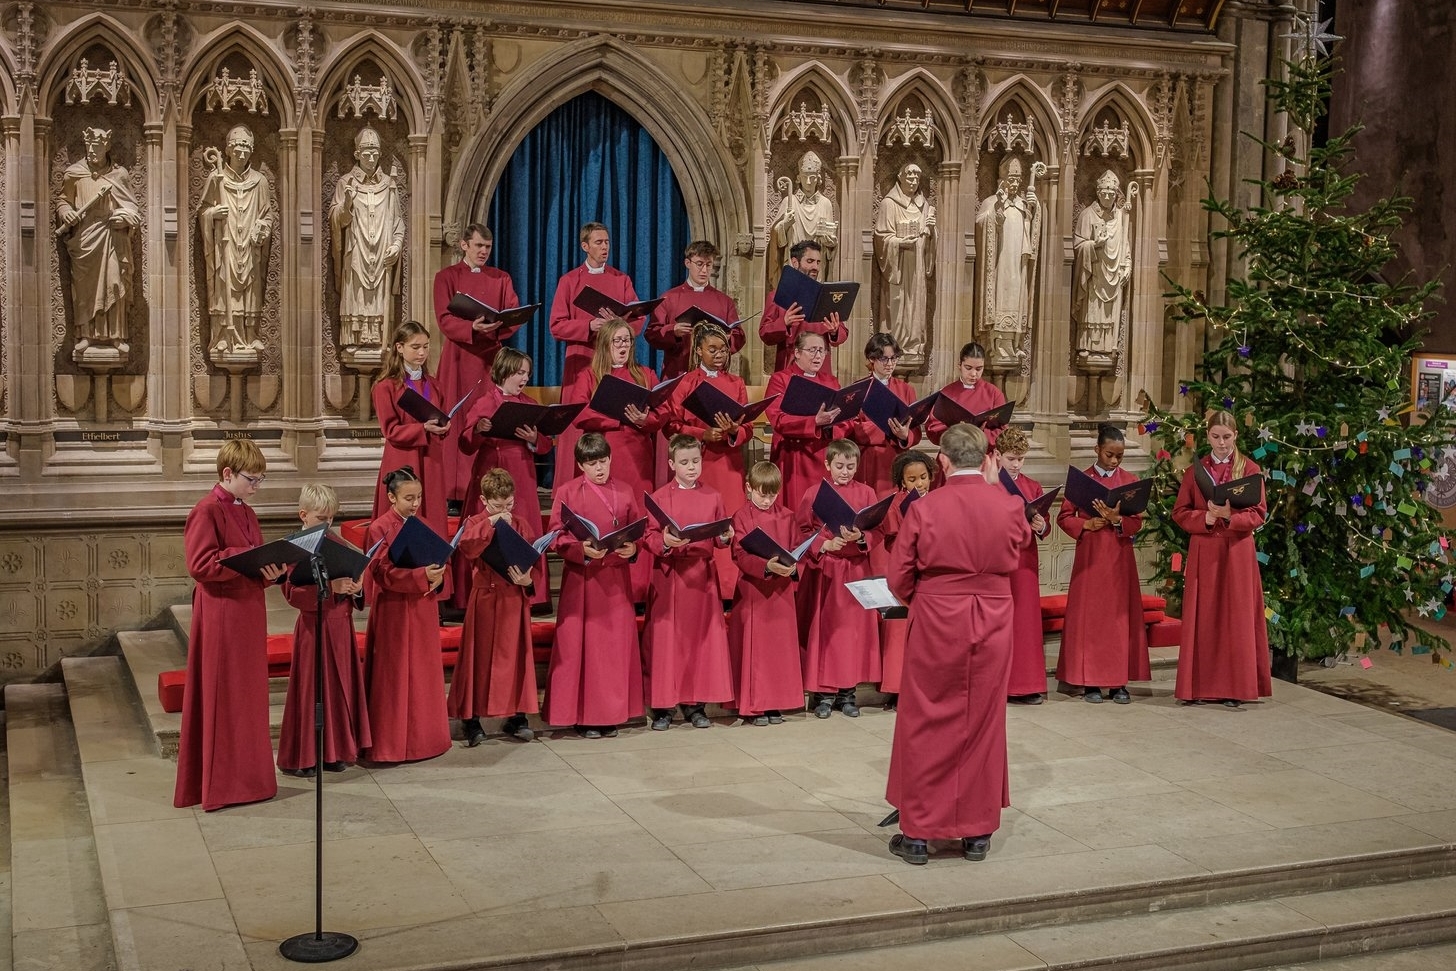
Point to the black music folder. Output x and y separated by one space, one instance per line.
291 549
804 398
1040 506
341 559
508 548
692 532
693 316
420 408
592 301
1242 493
707 401
613 395
1082 489
465 306
548 420
586 531
762 544
417 545
817 300
881 404
952 412
834 512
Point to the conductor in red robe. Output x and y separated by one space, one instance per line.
952 565
225 755
1224 654
574 326
675 338
779 328
471 344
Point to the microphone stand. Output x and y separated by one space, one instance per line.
321 945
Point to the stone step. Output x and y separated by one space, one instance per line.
161 917
59 917
1431 957
146 654
1320 926
6 898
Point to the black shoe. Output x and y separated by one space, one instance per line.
608 731
474 733
775 717
661 719
307 773
517 727
1026 699
912 851
335 766
1093 695
892 701
587 731
824 708
975 848
699 718
1121 697
761 721
850 709
1230 703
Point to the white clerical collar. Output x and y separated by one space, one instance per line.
595 270
475 269
414 374
679 484
1218 461
884 381
970 387
964 472
697 289
1105 473
711 374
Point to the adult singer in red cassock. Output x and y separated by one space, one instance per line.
799 441
1104 642
572 325
470 344
510 372
633 442
1224 654
780 328
971 391
403 671
877 449
952 564
723 442
225 755
406 440
675 339
1028 658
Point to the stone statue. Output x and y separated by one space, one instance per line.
1008 226
97 212
367 220
1103 262
804 213
905 257
236 217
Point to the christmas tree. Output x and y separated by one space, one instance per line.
1312 354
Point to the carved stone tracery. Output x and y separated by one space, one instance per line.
226 92
86 82
1107 141
361 98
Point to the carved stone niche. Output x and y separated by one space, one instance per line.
906 244
232 200
97 212
1010 239
802 194
1104 195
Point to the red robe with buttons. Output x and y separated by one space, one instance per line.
877 450
495 674
978 400
841 639
404 673
1104 642
685 640
407 443
573 326
225 755
677 351
798 444
775 332
1224 651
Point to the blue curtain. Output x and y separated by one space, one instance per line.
587 161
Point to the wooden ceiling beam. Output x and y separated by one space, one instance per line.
1137 9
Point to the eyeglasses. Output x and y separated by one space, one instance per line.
814 351
253 480
621 341
701 264
888 358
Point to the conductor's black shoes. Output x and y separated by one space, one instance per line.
914 852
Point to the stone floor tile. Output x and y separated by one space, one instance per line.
132 790
1181 754
1295 797
354 806
1289 847
733 812
57 883
1058 781
770 861
1147 817
533 802
1389 768
681 767
198 936
83 948
128 853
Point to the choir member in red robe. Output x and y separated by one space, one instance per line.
510 372
763 629
573 326
1028 654
684 640
675 339
971 391
404 674
470 344
495 674
780 328
1104 642
723 441
799 441
406 440
912 474
952 564
841 639
225 755
346 729
877 450
1224 654
595 679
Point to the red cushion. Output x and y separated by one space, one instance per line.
1154 602
448 659
1167 633
450 638
280 654
169 689
1054 605
543 632
1050 625
354 530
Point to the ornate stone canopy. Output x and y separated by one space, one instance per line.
1179 14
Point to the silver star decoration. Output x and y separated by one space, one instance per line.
1311 38
1443 472
1447 579
1384 414
1432 605
1264 433
1410 595
1304 428
1423 610
1319 500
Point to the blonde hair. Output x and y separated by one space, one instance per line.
1013 441
602 353
1224 419
497 484
240 455
319 498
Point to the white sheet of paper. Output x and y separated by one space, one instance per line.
873 593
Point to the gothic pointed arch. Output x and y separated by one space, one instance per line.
1034 106
211 51
920 83
92 30
1117 98
338 70
833 96
712 190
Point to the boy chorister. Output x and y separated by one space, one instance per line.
685 641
